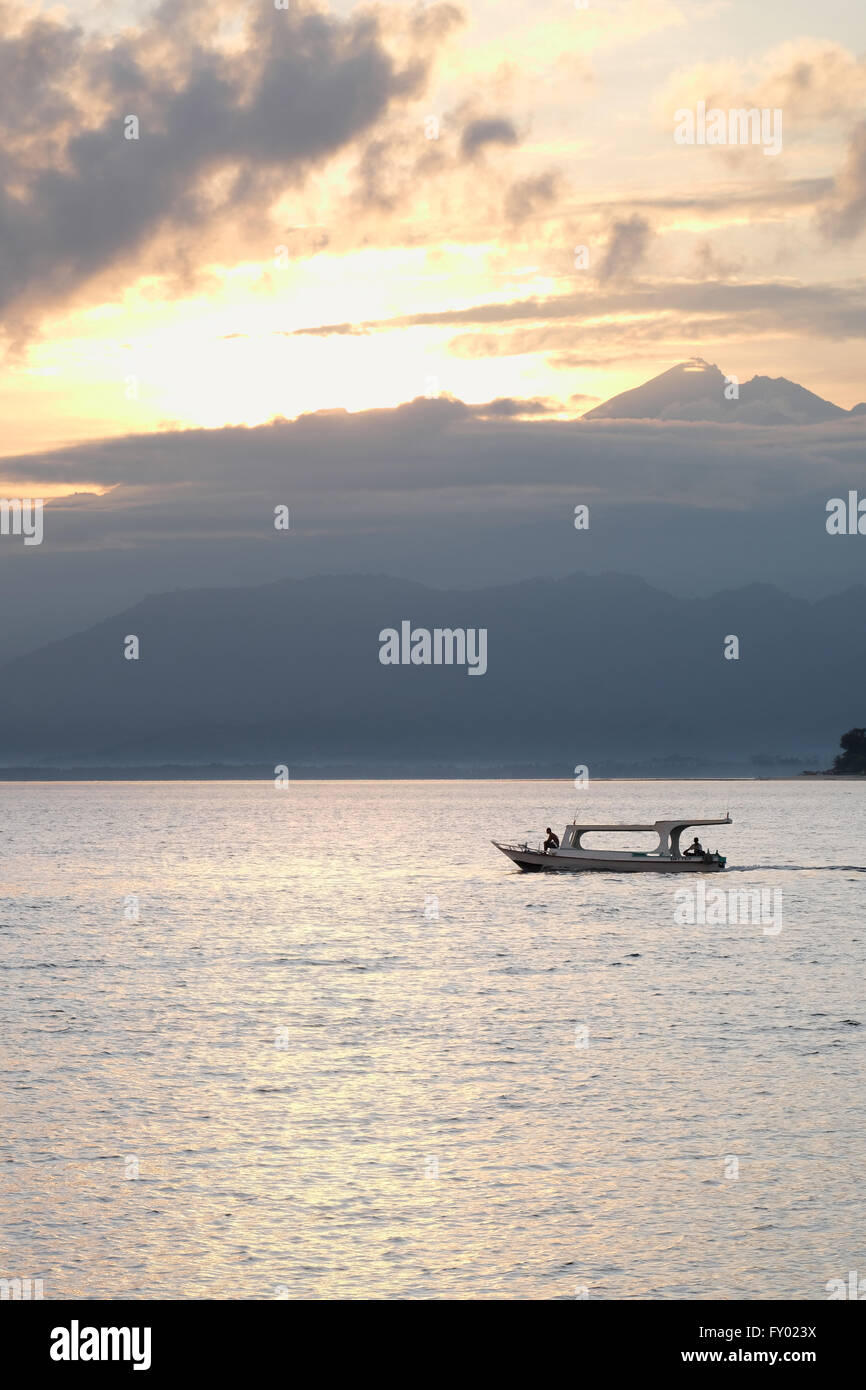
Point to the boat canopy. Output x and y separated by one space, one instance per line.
668 831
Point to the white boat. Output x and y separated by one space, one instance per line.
666 858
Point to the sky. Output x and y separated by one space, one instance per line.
352 206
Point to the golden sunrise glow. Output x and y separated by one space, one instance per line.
414 244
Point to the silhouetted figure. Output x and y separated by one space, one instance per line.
695 847
552 841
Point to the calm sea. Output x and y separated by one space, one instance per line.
326 1042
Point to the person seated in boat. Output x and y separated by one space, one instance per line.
695 847
552 841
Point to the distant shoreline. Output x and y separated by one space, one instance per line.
255 773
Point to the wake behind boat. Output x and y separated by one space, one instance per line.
667 858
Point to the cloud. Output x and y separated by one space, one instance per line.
817 84
528 196
626 248
845 213
814 81
733 199
223 124
434 490
833 311
189 479
328 330
496 130
507 406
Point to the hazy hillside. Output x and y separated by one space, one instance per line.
578 669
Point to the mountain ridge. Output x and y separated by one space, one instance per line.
696 390
581 668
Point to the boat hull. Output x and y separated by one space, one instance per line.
535 861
